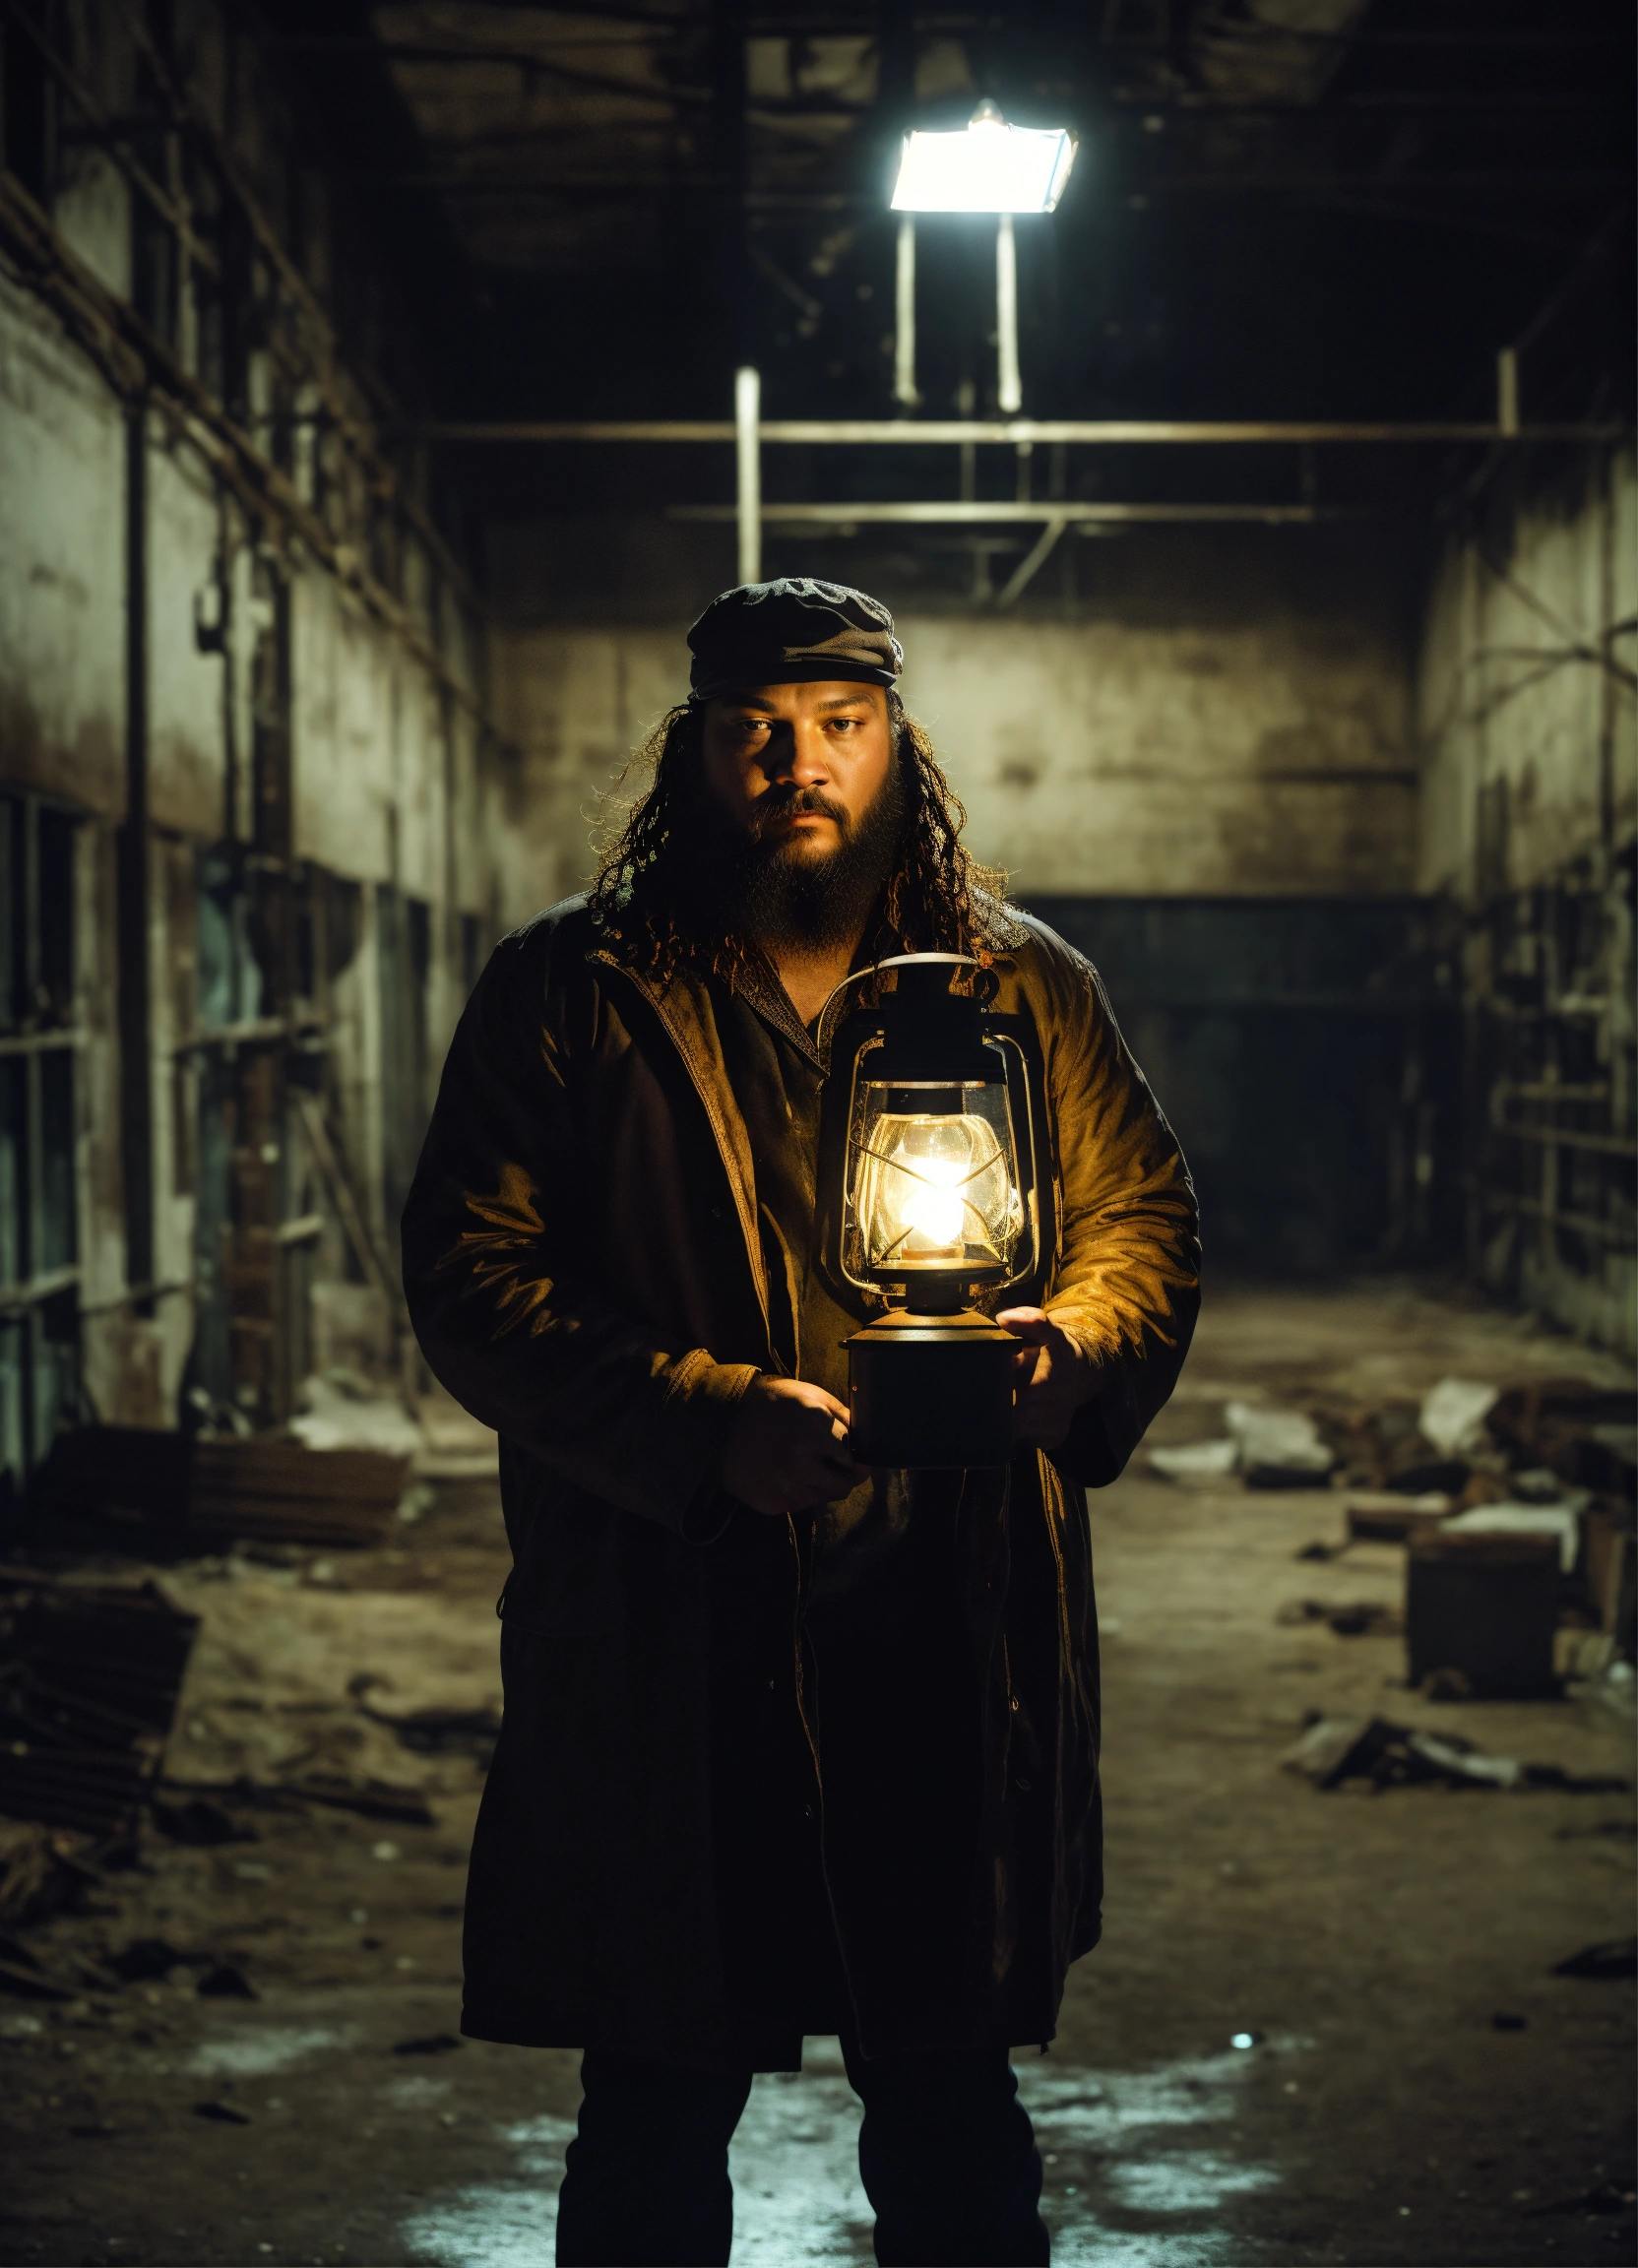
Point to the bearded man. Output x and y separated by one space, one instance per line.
789 1746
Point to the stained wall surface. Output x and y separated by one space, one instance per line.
1222 717
1529 811
1523 699
241 679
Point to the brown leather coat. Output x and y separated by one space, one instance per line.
586 1274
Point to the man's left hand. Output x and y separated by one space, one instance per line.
1051 1378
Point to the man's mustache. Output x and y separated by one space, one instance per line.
780 804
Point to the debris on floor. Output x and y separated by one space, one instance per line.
1607 1963
1277 1448
1271 1447
1482 1608
1611 1562
88 1682
1580 1653
1196 1461
43 1871
1388 1755
1582 1431
340 1410
1385 1516
1561 1522
1453 1413
371 1701
1347 1619
184 1494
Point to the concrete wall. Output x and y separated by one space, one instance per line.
62 566
1223 715
395 781
1524 687
1524 704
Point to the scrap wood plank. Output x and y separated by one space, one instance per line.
206 1492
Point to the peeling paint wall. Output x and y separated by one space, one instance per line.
62 569
1524 704
1524 690
1222 717
295 723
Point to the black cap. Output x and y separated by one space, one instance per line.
791 632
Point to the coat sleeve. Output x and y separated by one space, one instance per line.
1126 1282
520 1335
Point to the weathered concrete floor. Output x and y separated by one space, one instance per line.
1371 1941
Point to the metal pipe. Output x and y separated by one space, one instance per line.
1586 1224
1507 391
1009 391
946 433
1024 574
968 453
1571 1138
140 367
134 1004
747 414
904 317
946 515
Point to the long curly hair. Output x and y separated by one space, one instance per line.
936 898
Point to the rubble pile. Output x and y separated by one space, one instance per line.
1513 1503
229 1668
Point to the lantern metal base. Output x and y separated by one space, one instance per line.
931 1392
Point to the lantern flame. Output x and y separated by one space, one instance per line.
935 1189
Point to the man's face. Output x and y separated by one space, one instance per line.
798 767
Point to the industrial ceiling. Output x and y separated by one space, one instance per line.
1280 209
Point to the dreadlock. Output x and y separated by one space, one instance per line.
937 898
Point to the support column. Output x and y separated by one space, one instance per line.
136 1075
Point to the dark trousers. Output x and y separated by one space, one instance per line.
947 2155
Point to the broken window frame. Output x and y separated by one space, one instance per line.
40 1036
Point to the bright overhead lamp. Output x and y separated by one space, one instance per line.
988 166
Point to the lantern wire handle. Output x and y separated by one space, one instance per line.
894 960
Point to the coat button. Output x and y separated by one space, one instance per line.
1014 1701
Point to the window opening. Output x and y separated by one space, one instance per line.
40 1239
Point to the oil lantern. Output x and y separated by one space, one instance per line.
938 1204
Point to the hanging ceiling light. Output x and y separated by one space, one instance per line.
988 167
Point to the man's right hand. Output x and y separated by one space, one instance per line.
788 1448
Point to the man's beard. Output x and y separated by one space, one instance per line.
756 883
